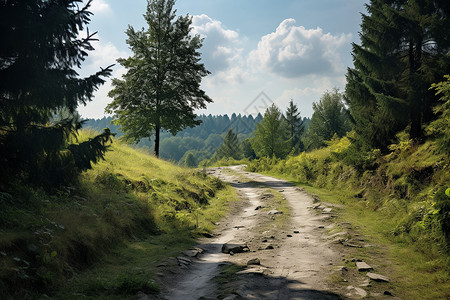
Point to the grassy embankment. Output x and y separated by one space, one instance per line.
104 237
398 202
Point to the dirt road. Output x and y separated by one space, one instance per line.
282 248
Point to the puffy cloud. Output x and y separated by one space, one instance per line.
220 49
99 6
294 51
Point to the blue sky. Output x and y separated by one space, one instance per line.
284 49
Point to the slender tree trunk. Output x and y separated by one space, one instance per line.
416 92
157 131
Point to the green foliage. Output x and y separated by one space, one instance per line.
131 196
190 161
440 128
271 135
295 125
404 48
442 211
247 149
407 184
202 141
161 88
40 51
329 119
230 147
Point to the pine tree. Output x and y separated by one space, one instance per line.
295 124
230 147
161 88
40 50
404 48
272 135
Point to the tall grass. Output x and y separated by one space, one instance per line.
129 198
399 197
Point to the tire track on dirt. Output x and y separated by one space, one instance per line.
297 264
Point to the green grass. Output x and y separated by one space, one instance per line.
104 236
396 199
414 274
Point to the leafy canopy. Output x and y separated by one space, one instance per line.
329 118
161 88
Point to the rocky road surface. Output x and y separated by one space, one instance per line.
298 254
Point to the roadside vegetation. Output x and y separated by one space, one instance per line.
400 202
105 234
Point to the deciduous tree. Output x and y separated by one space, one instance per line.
161 88
329 118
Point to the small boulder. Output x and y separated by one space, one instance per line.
327 210
274 212
362 266
234 247
377 277
254 261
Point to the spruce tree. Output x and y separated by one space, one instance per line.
40 50
295 124
230 147
272 135
161 88
404 48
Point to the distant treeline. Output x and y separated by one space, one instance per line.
202 141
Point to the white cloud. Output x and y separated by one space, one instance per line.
99 7
221 50
294 51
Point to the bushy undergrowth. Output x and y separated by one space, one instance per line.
408 185
47 238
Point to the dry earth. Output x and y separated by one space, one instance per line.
303 253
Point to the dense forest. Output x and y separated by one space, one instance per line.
201 141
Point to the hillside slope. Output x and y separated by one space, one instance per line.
48 238
398 199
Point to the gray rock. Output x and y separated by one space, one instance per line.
191 253
234 247
254 261
184 260
255 270
377 277
231 297
327 210
362 266
270 247
274 212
